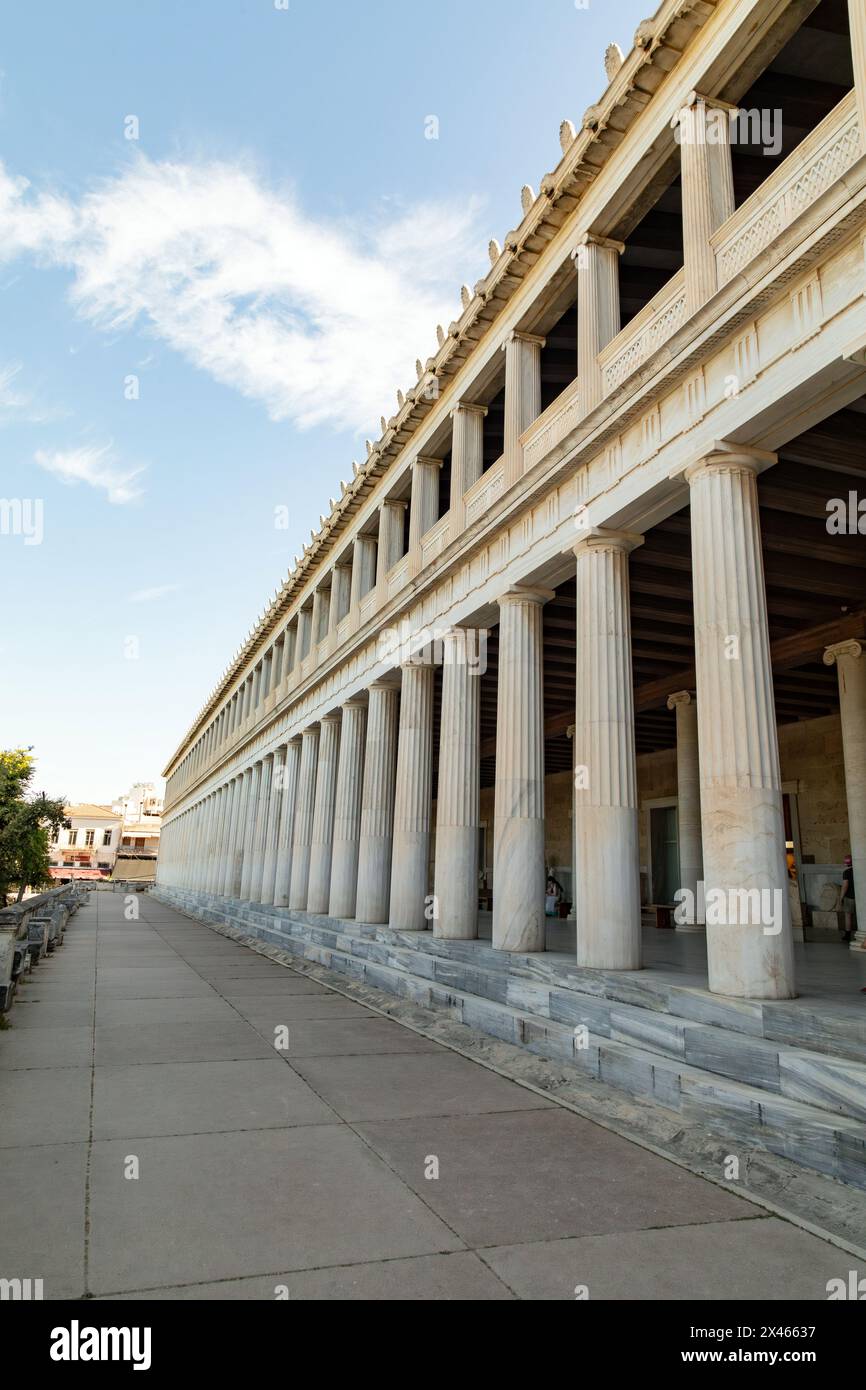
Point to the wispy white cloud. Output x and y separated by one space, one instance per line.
98 467
151 595
17 403
321 322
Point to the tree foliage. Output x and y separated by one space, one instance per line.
28 823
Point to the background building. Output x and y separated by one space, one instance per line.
88 848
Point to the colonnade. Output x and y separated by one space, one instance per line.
339 819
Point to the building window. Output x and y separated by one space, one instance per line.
73 837
89 837
106 838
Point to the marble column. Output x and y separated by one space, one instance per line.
269 869
458 819
749 941
260 834
304 638
857 27
518 834
216 865
606 843
321 846
424 510
688 800
850 661
304 808
390 548
341 584
467 457
239 822
377 805
347 813
227 867
522 396
703 131
596 261
289 795
363 569
413 800
250 832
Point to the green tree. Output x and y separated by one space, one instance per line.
28 823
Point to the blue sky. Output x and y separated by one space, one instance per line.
267 259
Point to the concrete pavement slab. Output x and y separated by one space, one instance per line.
544 1176
50 1105
420 1278
45 1240
765 1259
371 1088
118 1045
218 1206
200 1097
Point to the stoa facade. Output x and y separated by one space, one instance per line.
586 573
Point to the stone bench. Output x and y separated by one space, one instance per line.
30 930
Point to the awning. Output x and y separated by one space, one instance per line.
77 873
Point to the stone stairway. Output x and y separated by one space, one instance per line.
786 1076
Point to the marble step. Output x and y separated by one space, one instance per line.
808 1106
834 1144
818 1026
830 1082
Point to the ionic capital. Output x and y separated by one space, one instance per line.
519 594
682 697
531 339
424 460
468 408
851 648
729 458
590 239
601 538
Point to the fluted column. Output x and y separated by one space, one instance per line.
707 190
522 396
224 885
239 822
413 800
850 661
424 510
607 861
390 548
363 570
260 833
347 812
289 797
857 27
749 942
688 801
319 888
250 833
304 808
518 840
377 805
340 589
458 819
215 869
596 261
269 868
304 640
467 457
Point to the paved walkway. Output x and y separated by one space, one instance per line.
150 1046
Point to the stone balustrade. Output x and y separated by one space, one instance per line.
813 167
648 331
